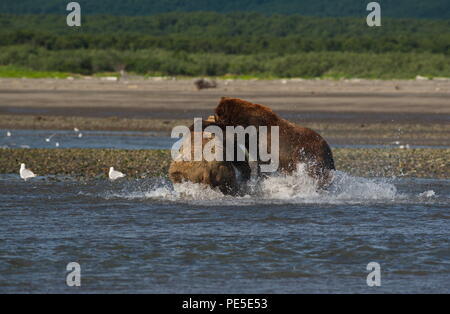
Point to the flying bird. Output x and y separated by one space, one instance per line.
25 173
114 175
48 139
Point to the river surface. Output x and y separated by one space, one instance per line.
149 140
282 237
88 139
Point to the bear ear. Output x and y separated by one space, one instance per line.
224 100
229 101
226 104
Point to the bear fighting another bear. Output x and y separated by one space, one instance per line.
297 145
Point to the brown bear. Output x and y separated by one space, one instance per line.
296 144
223 175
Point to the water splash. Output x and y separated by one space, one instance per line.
296 188
428 194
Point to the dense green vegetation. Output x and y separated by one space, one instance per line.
163 62
391 8
231 24
212 44
239 33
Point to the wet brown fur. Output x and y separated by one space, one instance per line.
216 174
297 144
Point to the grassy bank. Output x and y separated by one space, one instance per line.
394 65
21 72
94 163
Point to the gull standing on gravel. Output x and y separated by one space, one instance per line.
114 175
25 173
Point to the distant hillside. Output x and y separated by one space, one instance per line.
216 25
433 9
231 33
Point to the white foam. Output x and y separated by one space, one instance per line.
428 194
290 189
345 186
299 187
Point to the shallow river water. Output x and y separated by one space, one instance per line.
282 237
140 140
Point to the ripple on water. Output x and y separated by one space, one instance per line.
282 236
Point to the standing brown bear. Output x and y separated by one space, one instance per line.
296 144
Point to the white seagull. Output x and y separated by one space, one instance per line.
80 135
114 175
76 130
8 134
25 173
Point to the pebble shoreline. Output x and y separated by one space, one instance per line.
94 163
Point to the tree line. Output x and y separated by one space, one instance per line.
170 63
439 9
212 44
238 33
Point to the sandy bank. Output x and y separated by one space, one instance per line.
139 97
